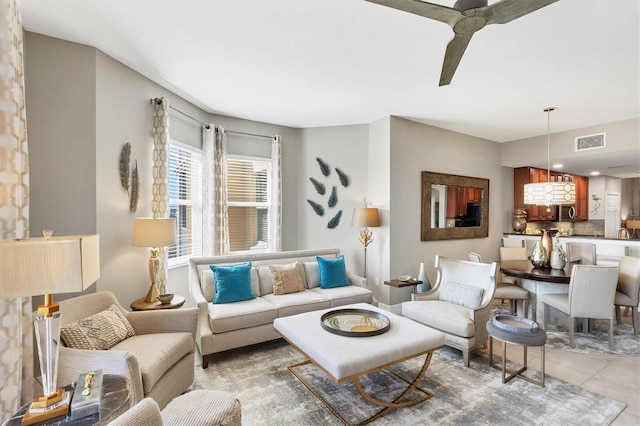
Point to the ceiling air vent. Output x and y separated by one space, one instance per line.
591 142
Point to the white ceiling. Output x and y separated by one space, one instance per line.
309 63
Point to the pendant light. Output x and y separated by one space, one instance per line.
549 193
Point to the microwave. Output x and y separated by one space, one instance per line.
566 213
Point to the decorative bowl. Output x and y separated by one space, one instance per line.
404 278
165 298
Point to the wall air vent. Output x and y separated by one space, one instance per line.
591 142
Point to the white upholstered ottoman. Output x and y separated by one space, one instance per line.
345 358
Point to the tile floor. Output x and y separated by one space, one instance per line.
616 377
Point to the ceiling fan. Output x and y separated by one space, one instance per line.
465 18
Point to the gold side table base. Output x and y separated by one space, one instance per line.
398 402
518 372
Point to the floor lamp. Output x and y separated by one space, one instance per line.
365 217
153 233
35 266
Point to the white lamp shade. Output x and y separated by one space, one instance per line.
150 232
34 266
365 217
550 193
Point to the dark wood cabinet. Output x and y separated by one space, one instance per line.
582 198
524 175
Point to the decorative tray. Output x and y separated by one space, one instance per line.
355 322
515 324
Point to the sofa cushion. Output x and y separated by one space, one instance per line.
312 272
287 278
461 294
157 353
339 296
444 316
267 276
296 303
333 272
232 283
246 314
100 331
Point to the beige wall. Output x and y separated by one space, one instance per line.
82 106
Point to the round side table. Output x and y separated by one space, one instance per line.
538 338
141 305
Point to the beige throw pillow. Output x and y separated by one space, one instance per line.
286 278
99 331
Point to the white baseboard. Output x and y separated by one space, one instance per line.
396 309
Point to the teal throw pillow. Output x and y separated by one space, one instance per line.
233 283
332 272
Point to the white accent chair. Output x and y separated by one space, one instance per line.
459 304
591 294
628 289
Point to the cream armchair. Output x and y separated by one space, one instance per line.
628 289
459 304
158 359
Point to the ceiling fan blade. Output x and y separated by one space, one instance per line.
508 10
438 12
455 50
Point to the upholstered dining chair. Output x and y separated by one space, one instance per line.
628 289
591 294
583 252
506 287
513 242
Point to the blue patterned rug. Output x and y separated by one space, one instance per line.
271 395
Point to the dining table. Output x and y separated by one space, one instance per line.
537 281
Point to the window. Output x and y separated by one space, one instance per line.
185 201
249 200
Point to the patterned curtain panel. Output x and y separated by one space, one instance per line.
221 243
208 203
160 186
275 228
16 349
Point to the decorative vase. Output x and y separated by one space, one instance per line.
557 261
519 220
538 255
425 286
547 244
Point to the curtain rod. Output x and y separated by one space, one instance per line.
207 125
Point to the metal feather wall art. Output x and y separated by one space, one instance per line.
133 187
321 189
125 154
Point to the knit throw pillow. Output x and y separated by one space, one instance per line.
100 331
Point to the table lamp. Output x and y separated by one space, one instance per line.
154 233
365 217
34 266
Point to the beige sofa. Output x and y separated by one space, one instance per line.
158 359
231 325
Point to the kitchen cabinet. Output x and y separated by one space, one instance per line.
582 198
524 175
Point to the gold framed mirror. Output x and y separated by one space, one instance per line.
454 206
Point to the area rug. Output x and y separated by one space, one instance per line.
625 343
271 395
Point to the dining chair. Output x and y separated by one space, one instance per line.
628 289
513 242
591 294
506 287
583 252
